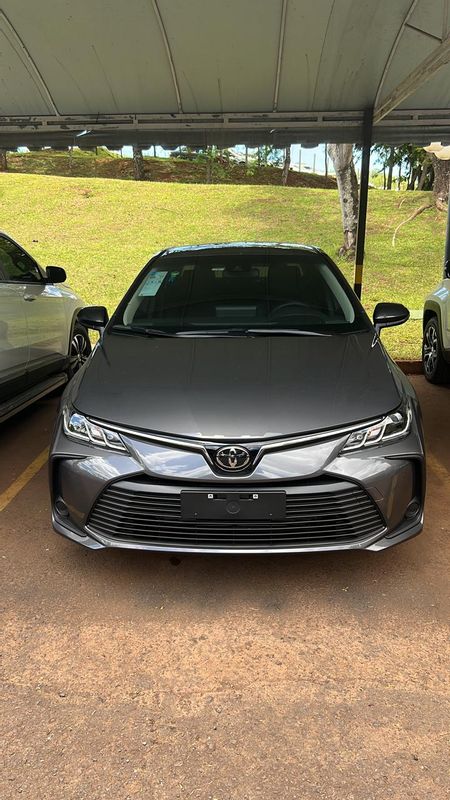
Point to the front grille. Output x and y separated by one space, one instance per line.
315 516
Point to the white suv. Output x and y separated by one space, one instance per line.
436 332
41 342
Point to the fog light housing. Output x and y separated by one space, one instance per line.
412 509
61 507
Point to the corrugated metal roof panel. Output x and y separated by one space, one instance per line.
61 62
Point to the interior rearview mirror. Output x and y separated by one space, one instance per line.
56 274
386 315
94 317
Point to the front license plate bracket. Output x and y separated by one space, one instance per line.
233 505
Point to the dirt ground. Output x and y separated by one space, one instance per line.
140 676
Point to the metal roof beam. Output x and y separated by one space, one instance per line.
280 54
168 50
422 73
254 129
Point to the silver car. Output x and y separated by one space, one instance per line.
436 332
239 401
41 341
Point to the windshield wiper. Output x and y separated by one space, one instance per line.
252 332
141 330
282 332
215 332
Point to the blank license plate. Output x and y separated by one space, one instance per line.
233 505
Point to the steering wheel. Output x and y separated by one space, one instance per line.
288 310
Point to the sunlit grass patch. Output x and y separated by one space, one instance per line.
103 231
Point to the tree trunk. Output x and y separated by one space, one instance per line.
441 182
286 165
410 179
138 160
3 160
342 157
423 173
390 169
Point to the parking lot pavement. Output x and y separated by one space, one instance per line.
134 675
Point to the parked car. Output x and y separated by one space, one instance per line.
41 341
436 332
239 400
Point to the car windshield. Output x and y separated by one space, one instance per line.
241 293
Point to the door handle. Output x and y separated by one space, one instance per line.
29 297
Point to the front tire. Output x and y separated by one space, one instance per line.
435 367
80 348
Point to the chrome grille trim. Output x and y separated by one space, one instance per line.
262 446
342 513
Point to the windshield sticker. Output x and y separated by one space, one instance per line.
152 283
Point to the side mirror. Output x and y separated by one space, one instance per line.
56 274
386 315
94 317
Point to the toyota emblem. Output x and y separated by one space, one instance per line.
233 458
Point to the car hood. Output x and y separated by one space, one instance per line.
236 387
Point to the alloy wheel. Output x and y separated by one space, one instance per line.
430 350
79 351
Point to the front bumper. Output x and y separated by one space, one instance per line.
358 500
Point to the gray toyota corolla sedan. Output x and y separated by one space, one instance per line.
239 400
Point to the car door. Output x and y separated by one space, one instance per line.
44 312
14 348
446 302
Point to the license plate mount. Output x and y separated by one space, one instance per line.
231 506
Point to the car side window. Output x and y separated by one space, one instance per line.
17 266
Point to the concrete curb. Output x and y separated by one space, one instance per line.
410 367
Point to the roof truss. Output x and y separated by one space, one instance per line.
224 130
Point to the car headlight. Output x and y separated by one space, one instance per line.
76 426
393 426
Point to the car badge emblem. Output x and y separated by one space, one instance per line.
232 458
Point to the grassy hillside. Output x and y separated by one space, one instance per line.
105 164
103 232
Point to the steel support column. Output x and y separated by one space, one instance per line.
363 193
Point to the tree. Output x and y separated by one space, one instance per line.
390 166
441 182
139 166
3 160
344 167
286 165
424 174
411 162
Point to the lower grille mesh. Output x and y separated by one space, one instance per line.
314 517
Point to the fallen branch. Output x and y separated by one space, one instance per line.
409 219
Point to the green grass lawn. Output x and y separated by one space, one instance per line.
103 231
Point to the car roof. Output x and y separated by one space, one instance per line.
239 247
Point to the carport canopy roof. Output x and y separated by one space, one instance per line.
223 72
